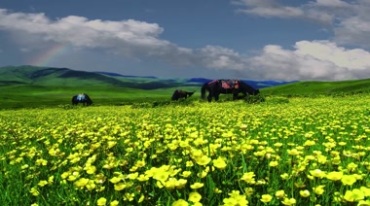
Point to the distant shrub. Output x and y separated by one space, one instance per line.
254 99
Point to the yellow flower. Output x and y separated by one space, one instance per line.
91 169
180 202
82 182
248 177
273 163
354 195
304 193
219 163
334 176
42 183
284 176
141 199
120 186
289 201
280 194
133 176
348 180
180 183
266 198
293 152
319 190
186 173
34 191
364 203
217 191
194 196
202 160
249 191
51 180
317 173
235 199
196 185
114 203
365 190
101 201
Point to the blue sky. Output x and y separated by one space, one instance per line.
249 39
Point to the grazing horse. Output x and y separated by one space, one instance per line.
226 86
181 94
81 98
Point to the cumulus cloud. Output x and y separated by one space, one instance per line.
81 32
319 60
348 20
315 60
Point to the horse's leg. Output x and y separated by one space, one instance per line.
217 95
235 95
209 97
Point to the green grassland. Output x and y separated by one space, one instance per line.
316 88
35 87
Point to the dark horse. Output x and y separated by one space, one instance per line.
227 86
81 98
181 94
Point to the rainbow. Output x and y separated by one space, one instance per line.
47 57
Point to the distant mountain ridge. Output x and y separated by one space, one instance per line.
50 76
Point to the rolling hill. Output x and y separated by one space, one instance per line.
63 77
29 86
314 88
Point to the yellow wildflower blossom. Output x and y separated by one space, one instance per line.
266 198
289 201
196 185
319 190
194 196
180 202
248 177
354 195
101 201
219 163
235 199
304 193
334 176
348 180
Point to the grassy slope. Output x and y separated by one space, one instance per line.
18 90
311 88
20 96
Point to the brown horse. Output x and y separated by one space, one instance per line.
181 94
227 86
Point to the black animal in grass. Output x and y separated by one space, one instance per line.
81 98
181 94
227 86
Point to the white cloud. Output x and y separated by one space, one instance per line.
81 32
348 20
331 3
268 8
320 60
316 60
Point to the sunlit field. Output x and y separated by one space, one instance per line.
303 151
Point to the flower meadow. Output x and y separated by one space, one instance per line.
309 151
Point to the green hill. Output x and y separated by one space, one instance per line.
29 86
314 88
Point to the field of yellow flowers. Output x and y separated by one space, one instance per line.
308 151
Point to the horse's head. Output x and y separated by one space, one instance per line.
256 91
190 93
